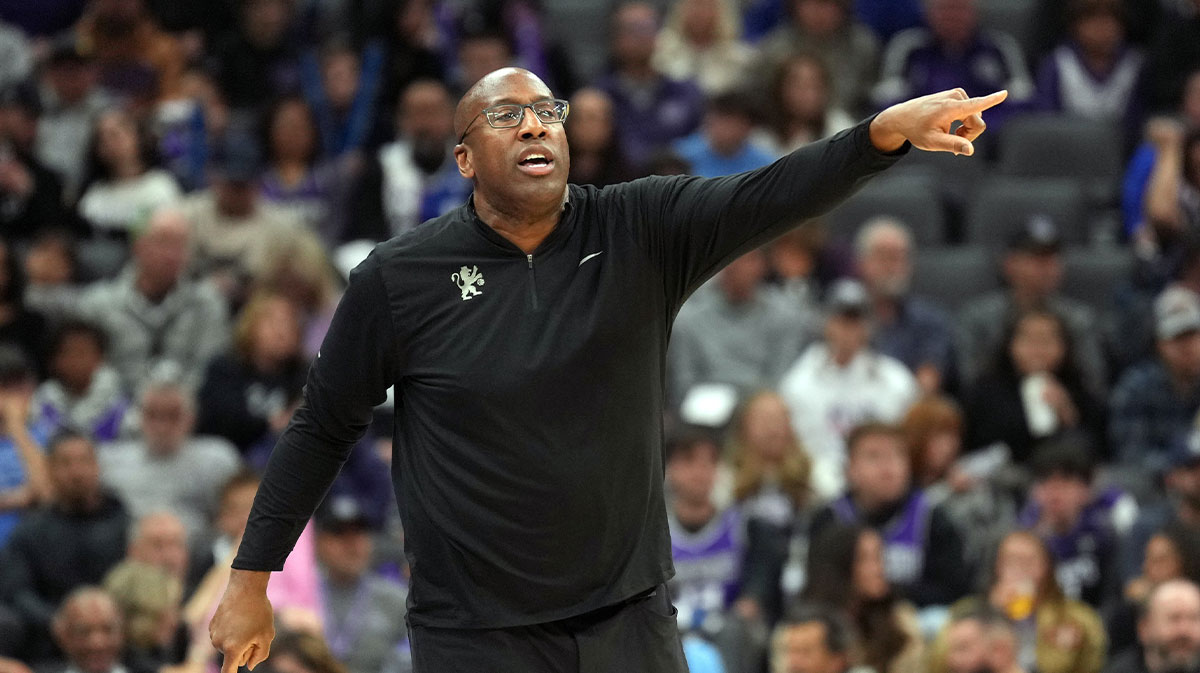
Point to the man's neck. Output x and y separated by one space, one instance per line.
525 228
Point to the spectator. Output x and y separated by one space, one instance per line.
53 275
303 652
150 600
84 392
237 495
168 468
828 29
1035 390
154 316
1174 54
1054 634
342 85
771 469
233 227
651 110
415 44
738 333
1169 632
1155 403
159 539
414 178
978 641
1033 270
1094 73
138 61
187 126
24 481
89 630
363 611
123 186
813 639
842 382
482 48
259 61
1172 553
846 571
952 51
923 551
909 328
702 42
1172 198
801 108
1163 132
804 262
72 101
30 193
525 40
974 491
1177 504
299 270
596 155
72 542
1050 23
254 388
723 144
315 192
1078 525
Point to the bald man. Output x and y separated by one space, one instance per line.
1168 631
525 335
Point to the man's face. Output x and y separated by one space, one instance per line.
235 510
339 77
1184 482
167 420
590 128
727 133
1034 274
818 17
74 472
742 277
71 80
803 650
264 21
162 252
499 160
426 112
1062 499
885 265
1181 355
345 553
846 335
692 473
635 31
90 634
161 542
480 55
952 21
966 647
1170 630
878 470
235 198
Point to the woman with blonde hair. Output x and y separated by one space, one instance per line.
770 467
149 598
299 269
701 41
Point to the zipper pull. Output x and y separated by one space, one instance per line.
530 258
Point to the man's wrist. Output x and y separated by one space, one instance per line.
883 133
249 579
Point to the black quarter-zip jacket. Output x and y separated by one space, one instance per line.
528 461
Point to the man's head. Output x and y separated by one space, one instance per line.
77 350
160 539
812 639
162 250
878 467
819 18
340 74
1169 628
692 461
70 70
1097 25
740 280
952 22
168 416
847 330
728 123
1177 329
634 35
88 629
265 22
883 248
482 51
74 472
20 108
1033 263
520 170
425 118
343 540
980 641
1062 485
236 169
592 123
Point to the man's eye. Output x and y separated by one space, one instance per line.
507 116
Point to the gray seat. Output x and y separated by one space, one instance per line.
954 276
1059 146
1004 204
909 196
1092 275
101 258
1014 17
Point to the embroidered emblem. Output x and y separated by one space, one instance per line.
467 279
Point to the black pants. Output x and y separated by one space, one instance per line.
637 636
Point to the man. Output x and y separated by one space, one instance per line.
168 467
911 329
159 322
1155 403
363 612
525 335
923 552
1169 633
722 146
813 639
842 382
736 332
1181 505
980 641
74 541
89 630
159 539
414 178
72 101
1033 270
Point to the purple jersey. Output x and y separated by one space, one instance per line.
1084 553
708 566
904 536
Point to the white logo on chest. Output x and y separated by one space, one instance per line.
467 279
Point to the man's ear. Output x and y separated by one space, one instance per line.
462 157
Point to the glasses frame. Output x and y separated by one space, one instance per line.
487 112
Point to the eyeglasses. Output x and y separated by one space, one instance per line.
510 115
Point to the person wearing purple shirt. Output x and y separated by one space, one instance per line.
651 110
952 50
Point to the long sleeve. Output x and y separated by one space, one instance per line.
691 226
348 378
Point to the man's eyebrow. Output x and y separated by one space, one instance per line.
507 100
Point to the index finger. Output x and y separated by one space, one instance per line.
980 103
234 660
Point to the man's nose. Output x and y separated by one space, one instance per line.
531 126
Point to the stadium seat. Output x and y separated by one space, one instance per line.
1014 17
1057 146
1093 274
1005 203
954 276
910 196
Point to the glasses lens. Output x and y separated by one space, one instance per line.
503 116
549 111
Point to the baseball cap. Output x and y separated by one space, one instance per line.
1176 312
1039 234
847 297
340 514
67 49
237 158
1184 451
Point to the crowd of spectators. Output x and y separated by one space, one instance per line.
860 475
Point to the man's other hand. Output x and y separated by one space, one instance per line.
244 625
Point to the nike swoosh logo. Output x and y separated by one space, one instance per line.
594 254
